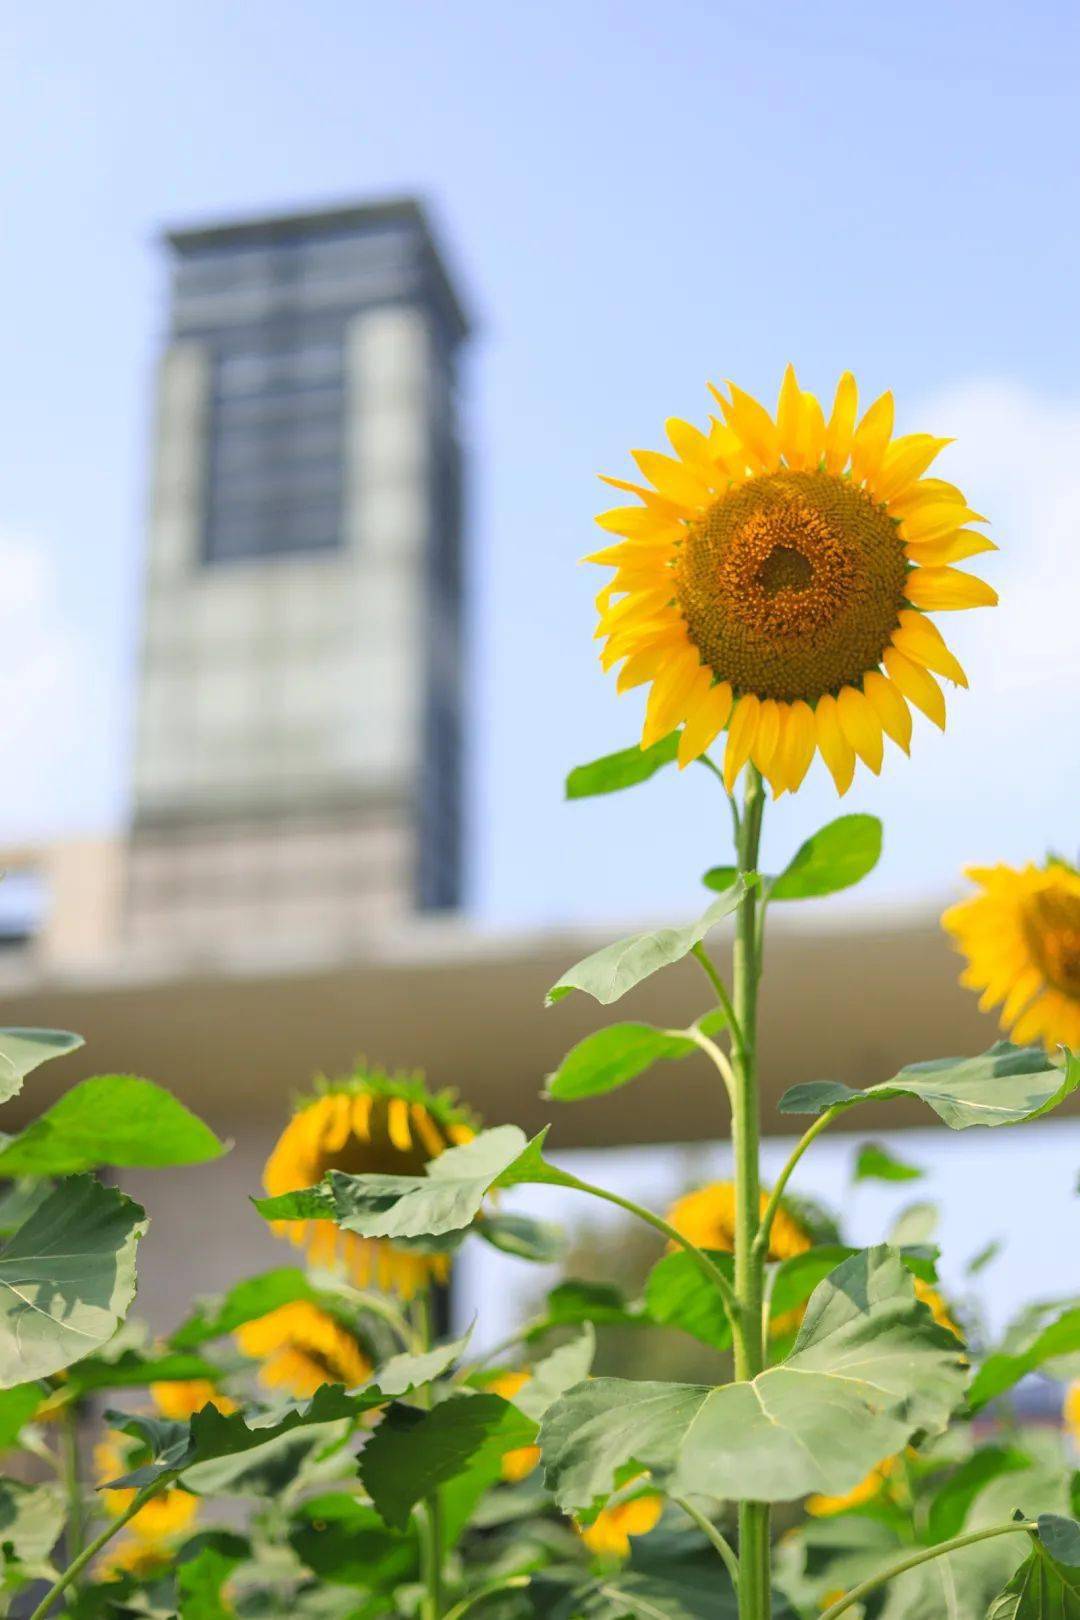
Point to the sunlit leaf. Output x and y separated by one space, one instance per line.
676 1295
950 1504
1003 1086
22 1050
609 973
916 1224
869 1369
133 1369
114 1119
1041 1589
254 1297
346 1542
874 1162
622 770
622 1052
31 1519
67 1278
837 857
1001 1371
17 1406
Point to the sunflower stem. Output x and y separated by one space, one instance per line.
92 1548
923 1556
768 1214
430 1522
749 1336
76 1533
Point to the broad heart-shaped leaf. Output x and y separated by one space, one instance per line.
612 1056
133 1369
346 1542
834 858
255 1296
874 1162
114 1119
1003 1086
869 1369
180 1448
622 770
1001 1371
412 1452
1041 1589
522 1236
22 1050
951 1502
31 1518
609 973
66 1279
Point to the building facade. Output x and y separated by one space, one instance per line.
298 755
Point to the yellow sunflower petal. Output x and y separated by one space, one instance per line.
800 743
890 708
935 519
637 523
949 548
666 705
917 685
705 719
692 447
673 478
741 736
836 751
871 439
860 724
754 426
789 417
649 497
940 590
811 447
767 735
904 463
922 641
841 426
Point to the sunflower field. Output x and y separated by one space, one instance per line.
314 1443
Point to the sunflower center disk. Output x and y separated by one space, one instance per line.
1052 925
791 585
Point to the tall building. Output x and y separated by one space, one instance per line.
298 750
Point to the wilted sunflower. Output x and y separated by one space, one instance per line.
520 1462
776 578
147 1539
609 1534
1021 936
183 1397
301 1347
370 1123
707 1218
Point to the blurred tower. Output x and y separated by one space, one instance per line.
298 753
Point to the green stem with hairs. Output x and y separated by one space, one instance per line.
92 1548
719 1541
923 1556
768 1214
509 1583
430 1521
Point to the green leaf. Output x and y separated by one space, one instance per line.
609 973
346 1542
255 1296
915 1224
17 1406
676 1296
622 1052
211 1435
199 1583
949 1507
523 1237
1004 1086
869 1369
1061 1538
114 1119
31 1519
837 857
133 1369
555 1374
575 1301
412 1451
719 878
875 1163
67 1278
1001 1371
22 1050
622 770
985 1257
445 1199
1041 1589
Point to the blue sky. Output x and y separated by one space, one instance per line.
635 198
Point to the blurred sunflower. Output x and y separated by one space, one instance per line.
520 1462
609 1534
707 1218
370 1123
776 577
1071 1409
147 1540
928 1295
875 1485
301 1347
1021 936
183 1397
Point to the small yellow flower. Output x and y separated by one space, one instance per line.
183 1397
609 1534
776 578
520 1462
370 1123
300 1347
707 1218
1021 936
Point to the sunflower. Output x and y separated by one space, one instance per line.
148 1538
520 1462
1021 936
776 578
927 1295
875 1485
707 1218
370 1123
609 1534
302 1347
1071 1409
183 1397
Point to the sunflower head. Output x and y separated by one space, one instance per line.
148 1536
183 1397
707 1218
520 1462
368 1123
1021 935
775 579
300 1347
608 1536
